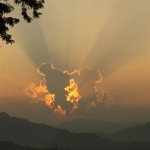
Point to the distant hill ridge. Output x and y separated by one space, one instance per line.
28 134
91 126
25 133
134 133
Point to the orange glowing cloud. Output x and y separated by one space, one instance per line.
60 111
40 93
73 94
64 92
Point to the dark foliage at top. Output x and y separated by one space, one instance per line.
7 6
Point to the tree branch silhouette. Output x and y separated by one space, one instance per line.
6 7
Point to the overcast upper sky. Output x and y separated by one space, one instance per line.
111 36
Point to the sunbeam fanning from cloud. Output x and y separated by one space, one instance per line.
100 56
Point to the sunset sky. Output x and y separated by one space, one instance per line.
109 37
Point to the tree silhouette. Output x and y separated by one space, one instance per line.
7 6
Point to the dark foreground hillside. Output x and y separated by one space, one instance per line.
39 136
5 145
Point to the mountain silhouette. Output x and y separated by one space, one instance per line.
134 133
91 126
6 145
27 134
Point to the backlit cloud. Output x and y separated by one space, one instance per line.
66 92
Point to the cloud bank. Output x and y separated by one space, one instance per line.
68 93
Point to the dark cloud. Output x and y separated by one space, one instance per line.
86 80
75 92
56 81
